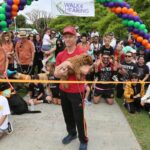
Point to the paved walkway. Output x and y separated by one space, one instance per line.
107 130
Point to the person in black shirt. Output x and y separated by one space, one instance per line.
36 92
107 48
124 72
38 57
105 71
143 70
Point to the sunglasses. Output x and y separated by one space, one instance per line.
128 56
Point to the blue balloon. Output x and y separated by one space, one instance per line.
124 16
23 2
8 8
9 2
8 15
136 31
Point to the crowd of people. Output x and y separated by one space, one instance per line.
113 60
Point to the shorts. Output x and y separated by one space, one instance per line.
46 47
104 93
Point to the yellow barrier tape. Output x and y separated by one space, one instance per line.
60 81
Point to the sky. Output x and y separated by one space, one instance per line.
40 5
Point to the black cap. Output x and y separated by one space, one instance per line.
4 86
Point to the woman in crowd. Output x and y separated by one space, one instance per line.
38 57
59 46
7 45
31 37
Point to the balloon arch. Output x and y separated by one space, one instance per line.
9 9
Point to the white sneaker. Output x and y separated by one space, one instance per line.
88 103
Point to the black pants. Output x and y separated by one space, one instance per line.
11 67
73 114
25 69
147 107
120 90
134 106
37 63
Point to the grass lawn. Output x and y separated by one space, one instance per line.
140 124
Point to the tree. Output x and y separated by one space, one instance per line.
39 17
104 20
20 21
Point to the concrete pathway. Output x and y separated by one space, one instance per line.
107 130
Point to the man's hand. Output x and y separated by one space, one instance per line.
62 69
142 104
137 96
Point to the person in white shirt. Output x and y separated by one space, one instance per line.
94 33
46 42
5 126
4 112
148 64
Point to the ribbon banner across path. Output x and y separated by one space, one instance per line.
10 8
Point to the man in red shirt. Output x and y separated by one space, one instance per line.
71 97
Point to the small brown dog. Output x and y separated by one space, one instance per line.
22 76
77 62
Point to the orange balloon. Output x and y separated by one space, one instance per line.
145 43
130 11
14 13
139 39
135 36
148 46
113 9
124 10
17 2
14 7
118 10
134 14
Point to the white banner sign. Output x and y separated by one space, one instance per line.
1 1
82 8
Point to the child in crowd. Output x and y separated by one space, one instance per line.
53 88
5 125
37 94
45 60
133 93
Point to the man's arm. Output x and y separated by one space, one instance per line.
62 69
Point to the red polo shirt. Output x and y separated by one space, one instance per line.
61 57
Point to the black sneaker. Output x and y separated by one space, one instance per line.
10 128
83 146
68 139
